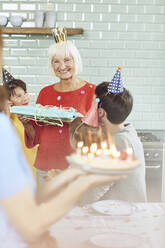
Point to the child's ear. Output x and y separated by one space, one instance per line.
101 113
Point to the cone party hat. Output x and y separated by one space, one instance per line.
91 117
116 85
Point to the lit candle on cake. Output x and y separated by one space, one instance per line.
99 152
85 150
80 144
93 148
114 152
103 145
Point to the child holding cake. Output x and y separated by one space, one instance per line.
114 106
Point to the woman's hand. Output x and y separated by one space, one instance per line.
44 241
23 119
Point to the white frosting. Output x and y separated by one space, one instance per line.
104 163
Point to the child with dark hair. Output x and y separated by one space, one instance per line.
114 106
17 92
17 96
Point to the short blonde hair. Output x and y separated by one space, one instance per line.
65 48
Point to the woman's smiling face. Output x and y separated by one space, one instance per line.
63 66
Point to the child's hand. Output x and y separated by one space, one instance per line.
29 129
23 119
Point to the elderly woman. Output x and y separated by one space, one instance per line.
70 91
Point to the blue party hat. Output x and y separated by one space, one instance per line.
116 85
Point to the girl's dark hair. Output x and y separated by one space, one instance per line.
116 106
3 98
12 85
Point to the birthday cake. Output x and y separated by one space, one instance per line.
102 162
103 159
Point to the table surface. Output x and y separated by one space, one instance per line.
145 225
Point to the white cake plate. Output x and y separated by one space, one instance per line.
110 171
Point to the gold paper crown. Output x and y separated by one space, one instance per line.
60 36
